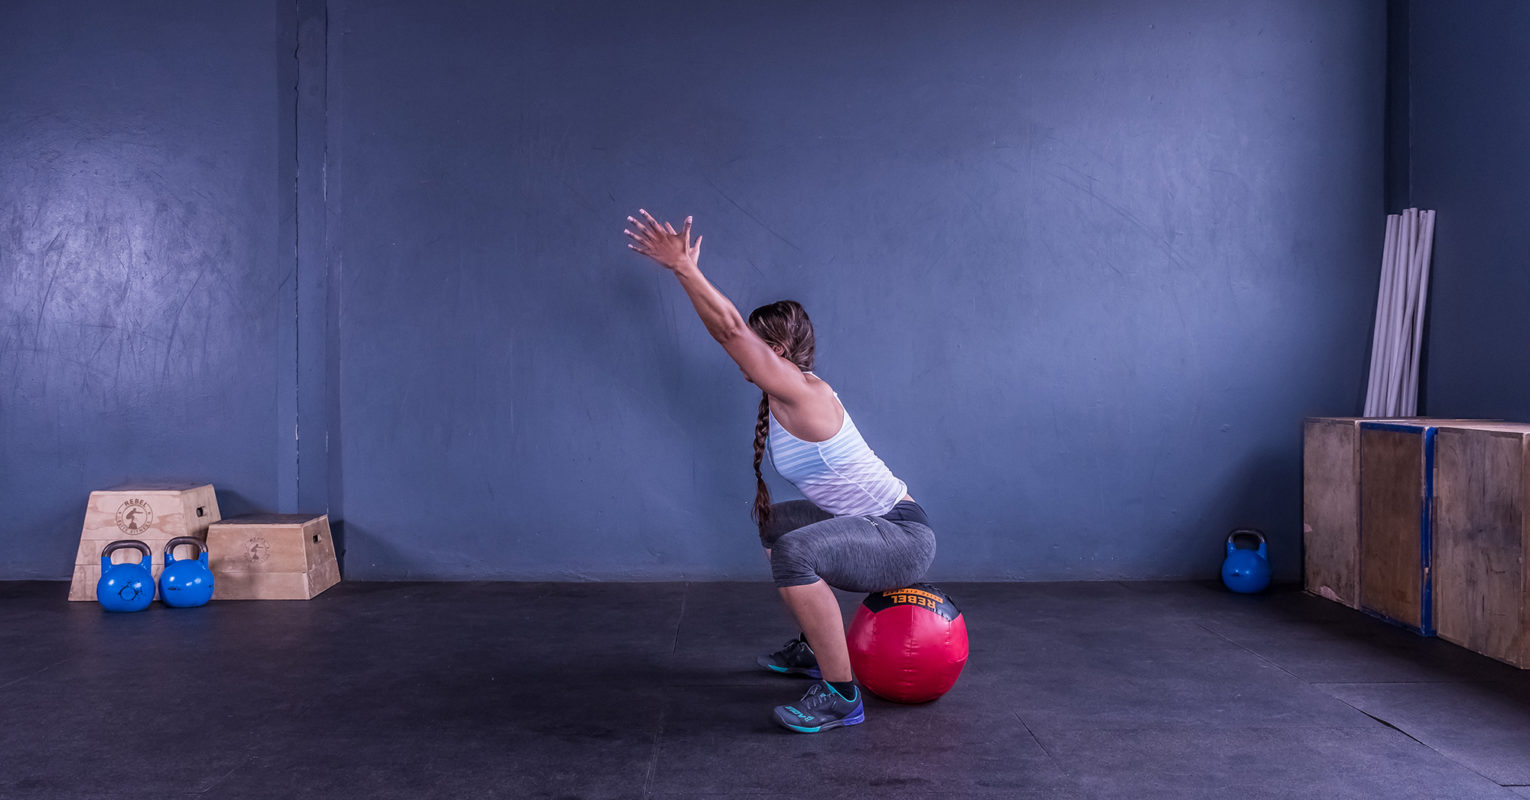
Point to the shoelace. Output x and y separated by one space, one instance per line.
793 647
816 697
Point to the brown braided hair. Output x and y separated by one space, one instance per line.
782 324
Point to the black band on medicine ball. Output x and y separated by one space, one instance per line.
920 594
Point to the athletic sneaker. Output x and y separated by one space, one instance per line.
794 658
820 709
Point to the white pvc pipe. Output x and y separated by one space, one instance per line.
1408 395
1415 314
1373 382
1405 329
1390 317
1391 323
1426 256
1404 319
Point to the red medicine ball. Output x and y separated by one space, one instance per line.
908 645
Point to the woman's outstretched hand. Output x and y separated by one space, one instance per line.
661 243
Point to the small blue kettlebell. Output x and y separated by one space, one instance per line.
128 586
1246 570
185 584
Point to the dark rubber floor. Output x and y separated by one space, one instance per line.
1085 690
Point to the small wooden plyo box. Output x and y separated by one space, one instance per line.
152 513
272 557
1482 539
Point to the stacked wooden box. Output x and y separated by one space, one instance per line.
1367 534
1482 524
1396 534
1331 508
1423 522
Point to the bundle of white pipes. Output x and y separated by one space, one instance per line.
1400 302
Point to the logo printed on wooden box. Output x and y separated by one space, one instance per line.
134 517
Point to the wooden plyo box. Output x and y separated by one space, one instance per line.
1397 520
1331 501
1482 539
272 557
1331 508
152 513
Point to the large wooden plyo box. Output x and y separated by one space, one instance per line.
1482 539
1397 521
272 557
1331 508
1331 500
152 513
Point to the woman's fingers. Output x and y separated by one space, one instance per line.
642 244
638 235
649 236
641 226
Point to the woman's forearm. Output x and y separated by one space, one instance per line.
717 312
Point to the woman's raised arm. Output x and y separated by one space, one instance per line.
674 251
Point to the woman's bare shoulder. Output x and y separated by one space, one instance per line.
817 420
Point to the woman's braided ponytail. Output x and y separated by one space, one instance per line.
761 512
782 324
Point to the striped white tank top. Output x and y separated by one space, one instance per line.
840 475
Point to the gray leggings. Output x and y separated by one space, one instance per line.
856 554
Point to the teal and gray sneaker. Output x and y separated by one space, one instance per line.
820 709
794 658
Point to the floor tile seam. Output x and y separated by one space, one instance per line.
931 794
653 755
1250 651
1046 730
485 733
658 735
674 644
1421 743
1033 735
31 675
1408 683
249 754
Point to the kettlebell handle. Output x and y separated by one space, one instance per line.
1256 534
127 544
180 540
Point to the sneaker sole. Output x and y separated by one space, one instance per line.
854 719
811 672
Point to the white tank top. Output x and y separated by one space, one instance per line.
840 475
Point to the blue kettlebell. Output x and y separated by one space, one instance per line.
128 586
1246 570
189 583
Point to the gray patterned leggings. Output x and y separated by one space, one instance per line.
856 554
